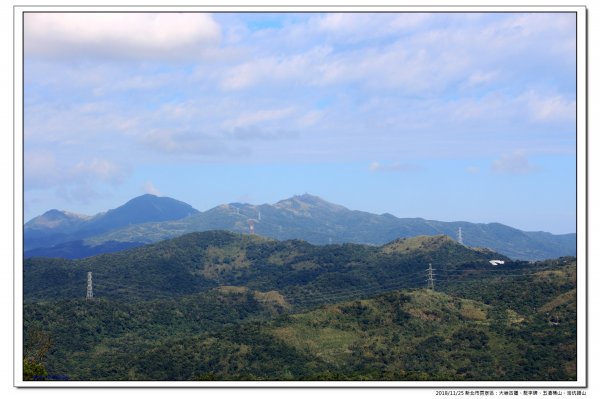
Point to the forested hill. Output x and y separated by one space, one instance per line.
502 325
224 306
300 271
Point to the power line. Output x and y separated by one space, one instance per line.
304 296
316 296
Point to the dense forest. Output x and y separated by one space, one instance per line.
224 306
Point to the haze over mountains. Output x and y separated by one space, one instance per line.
148 219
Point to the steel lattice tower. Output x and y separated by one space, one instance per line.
460 236
90 290
430 278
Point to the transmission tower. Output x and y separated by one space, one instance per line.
430 278
460 236
251 225
90 290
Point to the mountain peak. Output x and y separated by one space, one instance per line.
144 197
55 213
147 208
306 197
54 219
306 202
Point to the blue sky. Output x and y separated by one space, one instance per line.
442 116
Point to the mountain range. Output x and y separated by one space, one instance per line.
148 219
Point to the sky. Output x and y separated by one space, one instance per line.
445 116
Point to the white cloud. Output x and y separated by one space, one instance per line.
310 118
357 27
478 78
149 188
298 67
515 163
170 141
393 167
84 193
403 64
253 133
120 35
254 117
41 169
549 108
73 181
98 169
73 123
493 105
526 109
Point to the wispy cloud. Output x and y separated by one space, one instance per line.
552 107
100 169
515 163
149 188
41 169
357 27
310 118
186 142
393 167
72 180
253 133
479 78
473 170
259 116
306 67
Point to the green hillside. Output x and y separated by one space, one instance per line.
232 333
199 261
225 306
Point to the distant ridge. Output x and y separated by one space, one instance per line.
59 227
149 219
